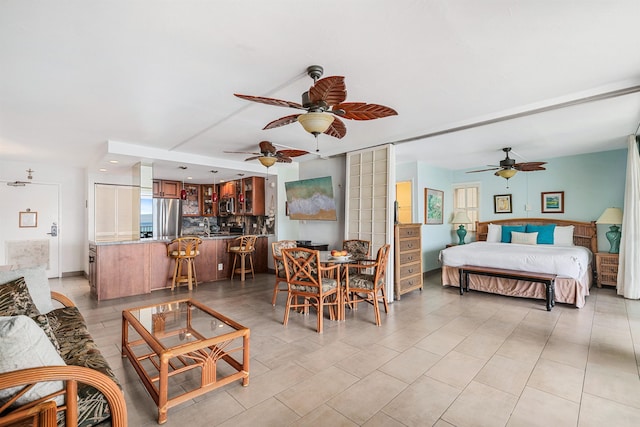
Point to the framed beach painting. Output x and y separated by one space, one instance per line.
311 199
433 206
552 202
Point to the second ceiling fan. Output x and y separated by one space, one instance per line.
508 166
325 106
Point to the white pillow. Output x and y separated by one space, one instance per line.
25 345
494 235
563 236
524 238
37 283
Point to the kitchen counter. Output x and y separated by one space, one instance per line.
119 269
169 239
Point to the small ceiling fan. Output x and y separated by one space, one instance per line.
268 154
324 105
508 167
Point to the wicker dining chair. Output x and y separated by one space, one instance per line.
357 248
307 279
278 265
364 286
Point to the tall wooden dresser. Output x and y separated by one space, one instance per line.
408 258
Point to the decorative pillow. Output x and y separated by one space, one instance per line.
25 345
494 235
507 229
545 233
524 238
563 236
37 282
42 321
15 299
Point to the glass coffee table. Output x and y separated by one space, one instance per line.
170 342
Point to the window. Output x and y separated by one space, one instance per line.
466 198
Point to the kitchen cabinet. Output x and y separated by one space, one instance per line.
252 191
166 189
191 205
408 258
119 270
209 206
228 189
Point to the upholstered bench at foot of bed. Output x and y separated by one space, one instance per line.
545 278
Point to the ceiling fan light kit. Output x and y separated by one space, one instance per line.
506 173
316 123
267 161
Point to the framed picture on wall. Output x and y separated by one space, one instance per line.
502 203
433 206
552 202
28 219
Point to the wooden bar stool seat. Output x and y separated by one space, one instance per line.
241 248
184 251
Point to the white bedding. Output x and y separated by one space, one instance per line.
564 261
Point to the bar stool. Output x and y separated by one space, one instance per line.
242 247
184 251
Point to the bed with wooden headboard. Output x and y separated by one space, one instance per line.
573 281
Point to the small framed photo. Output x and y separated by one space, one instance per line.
433 206
28 219
502 203
552 202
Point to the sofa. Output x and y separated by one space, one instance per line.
51 370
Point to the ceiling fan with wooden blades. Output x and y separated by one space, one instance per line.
269 155
508 167
325 106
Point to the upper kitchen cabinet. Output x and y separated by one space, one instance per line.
228 189
166 189
251 196
209 205
191 205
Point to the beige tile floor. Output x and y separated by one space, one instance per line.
438 359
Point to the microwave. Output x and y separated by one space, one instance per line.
226 206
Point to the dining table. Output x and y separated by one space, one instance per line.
327 259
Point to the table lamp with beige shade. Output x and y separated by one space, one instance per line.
612 216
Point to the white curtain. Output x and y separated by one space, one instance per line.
629 264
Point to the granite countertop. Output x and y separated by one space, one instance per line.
167 239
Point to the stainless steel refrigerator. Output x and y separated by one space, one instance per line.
167 218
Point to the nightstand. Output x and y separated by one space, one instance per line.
606 269
451 244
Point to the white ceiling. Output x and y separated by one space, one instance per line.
157 78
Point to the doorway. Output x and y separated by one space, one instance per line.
403 197
29 226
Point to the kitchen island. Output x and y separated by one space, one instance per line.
120 269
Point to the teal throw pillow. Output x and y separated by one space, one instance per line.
545 233
507 229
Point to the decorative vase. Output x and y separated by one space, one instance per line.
613 236
461 234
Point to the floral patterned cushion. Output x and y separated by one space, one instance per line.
357 248
363 281
15 299
78 348
327 285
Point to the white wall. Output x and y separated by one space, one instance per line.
72 227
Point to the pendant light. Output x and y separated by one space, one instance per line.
183 192
214 196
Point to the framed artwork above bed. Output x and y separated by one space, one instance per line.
502 203
552 202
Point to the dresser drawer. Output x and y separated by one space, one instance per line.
408 232
409 257
409 244
411 283
410 269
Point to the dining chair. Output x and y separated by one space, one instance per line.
184 251
368 283
278 265
318 286
357 248
242 247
